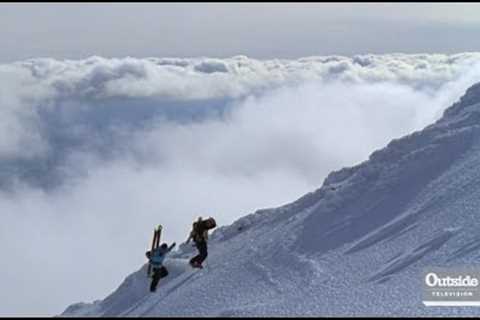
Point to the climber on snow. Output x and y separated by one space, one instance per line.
156 257
199 234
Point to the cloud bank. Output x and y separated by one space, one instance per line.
196 78
97 151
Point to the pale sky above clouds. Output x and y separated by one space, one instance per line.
258 30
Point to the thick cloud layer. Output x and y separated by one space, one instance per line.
198 78
72 88
97 151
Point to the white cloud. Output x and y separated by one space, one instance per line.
19 132
205 78
285 126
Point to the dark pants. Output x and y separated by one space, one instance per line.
202 252
158 273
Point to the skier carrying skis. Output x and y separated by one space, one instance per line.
199 234
156 257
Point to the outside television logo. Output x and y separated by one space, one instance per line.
452 287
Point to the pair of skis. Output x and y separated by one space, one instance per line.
157 232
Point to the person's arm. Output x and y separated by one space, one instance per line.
171 247
190 236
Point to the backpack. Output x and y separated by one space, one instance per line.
200 229
210 223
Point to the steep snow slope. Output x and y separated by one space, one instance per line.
356 246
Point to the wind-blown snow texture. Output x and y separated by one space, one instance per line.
356 246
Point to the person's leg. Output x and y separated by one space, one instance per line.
163 272
197 257
194 259
203 251
155 279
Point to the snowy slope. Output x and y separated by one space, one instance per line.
356 246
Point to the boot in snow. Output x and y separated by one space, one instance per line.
196 264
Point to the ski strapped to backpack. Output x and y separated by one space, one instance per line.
155 244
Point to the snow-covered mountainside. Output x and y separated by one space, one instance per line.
356 246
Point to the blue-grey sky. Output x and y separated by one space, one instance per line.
263 30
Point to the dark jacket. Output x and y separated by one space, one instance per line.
199 232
